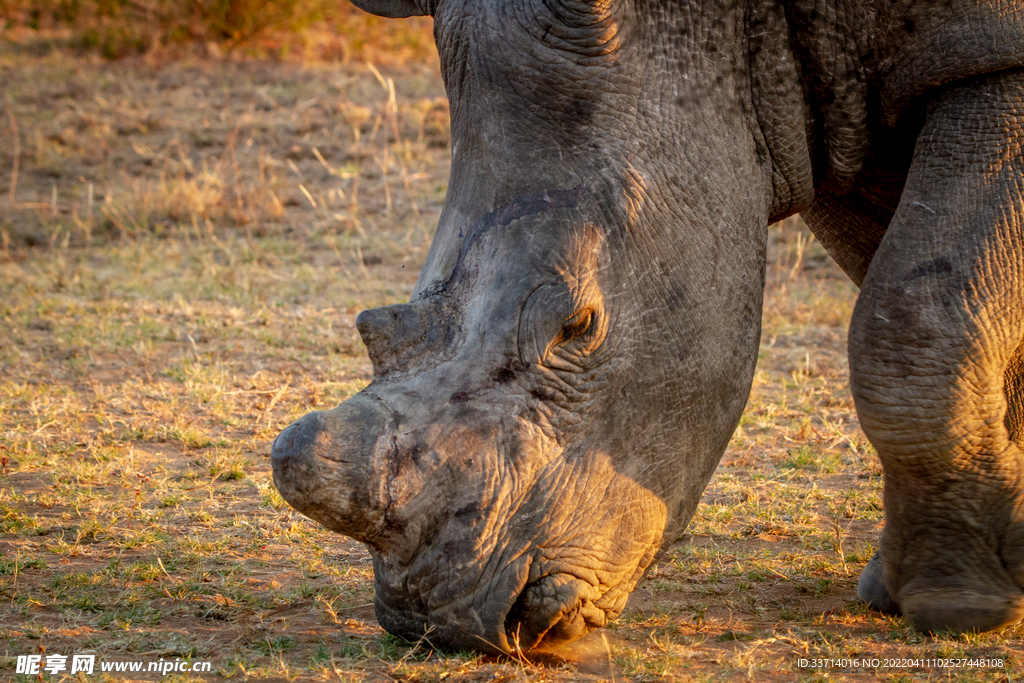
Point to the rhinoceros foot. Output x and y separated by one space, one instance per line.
932 606
871 589
933 610
957 611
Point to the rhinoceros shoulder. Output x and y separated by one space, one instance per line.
927 44
869 82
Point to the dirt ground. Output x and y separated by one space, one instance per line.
185 246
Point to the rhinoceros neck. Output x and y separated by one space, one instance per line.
531 123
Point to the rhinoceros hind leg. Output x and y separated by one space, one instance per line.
871 589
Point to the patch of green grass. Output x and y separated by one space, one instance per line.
276 645
14 521
191 438
807 458
11 565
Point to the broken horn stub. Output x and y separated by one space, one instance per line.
396 335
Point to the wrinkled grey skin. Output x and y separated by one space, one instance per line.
547 409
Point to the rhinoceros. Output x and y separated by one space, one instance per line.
548 407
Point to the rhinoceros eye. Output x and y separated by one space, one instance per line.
558 328
577 326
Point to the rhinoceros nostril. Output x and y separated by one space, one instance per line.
284 445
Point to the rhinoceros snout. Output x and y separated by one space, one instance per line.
323 465
292 457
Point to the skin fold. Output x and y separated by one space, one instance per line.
550 404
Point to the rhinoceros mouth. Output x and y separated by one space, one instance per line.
551 611
511 617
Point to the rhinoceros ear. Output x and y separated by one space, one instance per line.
397 8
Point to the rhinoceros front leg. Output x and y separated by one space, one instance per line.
936 371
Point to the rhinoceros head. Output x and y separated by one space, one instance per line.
548 407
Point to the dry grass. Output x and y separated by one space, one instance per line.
273 29
182 262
